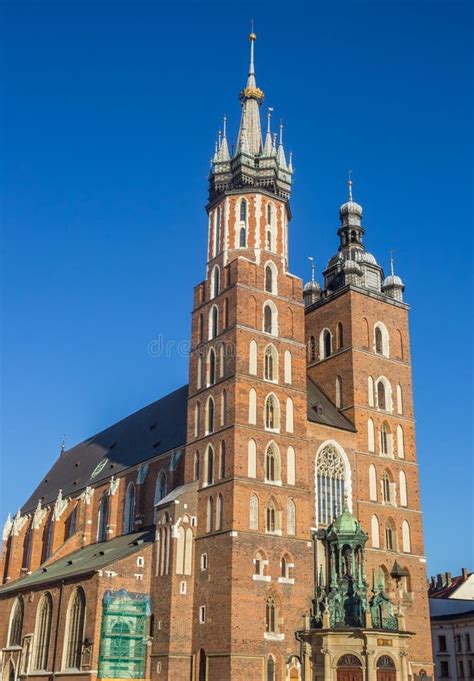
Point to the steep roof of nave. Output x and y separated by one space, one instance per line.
85 560
153 430
322 410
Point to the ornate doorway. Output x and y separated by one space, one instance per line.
386 669
349 668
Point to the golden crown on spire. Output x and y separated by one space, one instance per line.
252 36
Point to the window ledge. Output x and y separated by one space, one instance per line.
276 533
271 636
262 578
278 483
272 430
286 580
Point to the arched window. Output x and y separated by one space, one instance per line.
330 484
385 440
75 630
222 461
270 669
222 358
269 214
268 279
388 489
226 313
223 407
340 336
381 397
217 222
390 536
325 344
370 436
199 372
400 443
210 411
375 532
403 489
288 372
399 399
271 520
272 413
219 512
197 418
211 367
103 518
16 622
243 210
196 466
215 281
271 616
161 484
269 318
289 415
381 339
180 550
259 564
129 509
209 465
370 391
338 392
312 349
242 237
290 466
372 483
253 358
43 632
213 322
210 514
271 363
253 512
252 459
48 537
271 278
272 464
291 517
188 552
406 541
252 406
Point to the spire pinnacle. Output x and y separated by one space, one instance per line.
281 130
391 264
349 184
252 38
311 259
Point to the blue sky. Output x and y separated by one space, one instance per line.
111 110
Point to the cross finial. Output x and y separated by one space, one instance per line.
224 128
281 130
391 262
349 184
311 259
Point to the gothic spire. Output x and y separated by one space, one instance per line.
251 98
223 153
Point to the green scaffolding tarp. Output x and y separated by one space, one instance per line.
123 635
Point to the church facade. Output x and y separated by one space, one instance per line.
262 522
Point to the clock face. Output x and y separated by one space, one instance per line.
100 467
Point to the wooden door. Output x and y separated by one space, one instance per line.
349 674
386 675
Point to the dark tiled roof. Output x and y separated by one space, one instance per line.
153 430
322 410
84 561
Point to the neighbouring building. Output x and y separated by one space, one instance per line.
262 522
451 602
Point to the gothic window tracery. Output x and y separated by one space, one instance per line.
330 484
75 630
43 632
129 509
16 623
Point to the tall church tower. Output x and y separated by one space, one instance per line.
247 413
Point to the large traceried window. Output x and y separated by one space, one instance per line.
271 363
330 484
272 464
161 484
75 630
16 623
272 413
103 518
43 632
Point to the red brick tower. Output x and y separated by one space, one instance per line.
247 415
359 355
